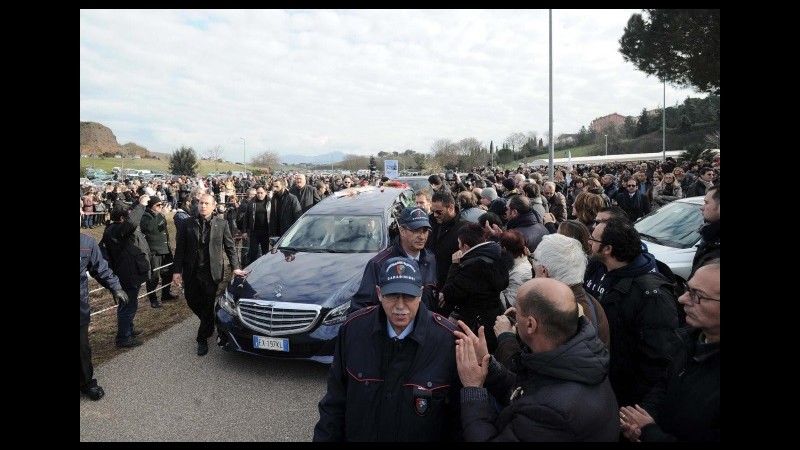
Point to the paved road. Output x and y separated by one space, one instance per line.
162 391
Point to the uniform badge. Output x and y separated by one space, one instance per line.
422 401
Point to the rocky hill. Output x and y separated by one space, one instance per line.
98 139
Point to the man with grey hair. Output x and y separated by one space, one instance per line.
562 258
556 201
306 195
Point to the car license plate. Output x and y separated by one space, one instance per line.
265 343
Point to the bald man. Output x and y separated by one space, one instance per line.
199 262
560 392
308 196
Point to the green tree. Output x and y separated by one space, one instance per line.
696 151
686 125
680 46
504 156
419 161
183 161
643 127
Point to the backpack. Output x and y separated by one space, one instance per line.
129 262
677 287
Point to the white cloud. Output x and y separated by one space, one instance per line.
356 81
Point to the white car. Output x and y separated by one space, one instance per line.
672 233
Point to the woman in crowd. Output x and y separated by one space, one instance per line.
668 190
513 245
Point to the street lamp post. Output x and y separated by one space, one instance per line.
244 155
606 144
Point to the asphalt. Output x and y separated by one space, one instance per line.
163 391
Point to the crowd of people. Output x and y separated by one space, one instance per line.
510 306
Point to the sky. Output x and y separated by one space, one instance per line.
310 82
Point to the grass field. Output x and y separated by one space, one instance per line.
103 326
161 165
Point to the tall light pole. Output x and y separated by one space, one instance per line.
664 124
606 144
244 155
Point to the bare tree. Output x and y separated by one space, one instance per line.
215 154
266 160
516 140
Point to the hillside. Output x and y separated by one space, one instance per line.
97 139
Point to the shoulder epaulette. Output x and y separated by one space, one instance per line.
361 312
444 322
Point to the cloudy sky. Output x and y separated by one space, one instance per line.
311 82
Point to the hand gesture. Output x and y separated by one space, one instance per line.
503 325
478 342
457 256
471 370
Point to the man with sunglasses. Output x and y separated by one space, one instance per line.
633 201
685 406
640 306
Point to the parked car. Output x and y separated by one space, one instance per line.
672 233
296 296
416 182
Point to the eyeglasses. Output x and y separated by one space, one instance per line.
695 297
437 212
631 185
597 240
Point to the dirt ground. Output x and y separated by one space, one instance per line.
103 326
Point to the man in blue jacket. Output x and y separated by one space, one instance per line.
93 262
414 228
393 376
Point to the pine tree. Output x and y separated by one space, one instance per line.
183 161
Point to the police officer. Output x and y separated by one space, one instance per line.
393 376
93 262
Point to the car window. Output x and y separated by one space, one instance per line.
338 234
675 225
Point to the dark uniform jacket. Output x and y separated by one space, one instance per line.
93 262
685 404
367 295
411 396
220 241
561 396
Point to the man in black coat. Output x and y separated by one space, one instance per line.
708 248
198 261
284 209
559 386
255 224
685 406
443 239
308 196
640 306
